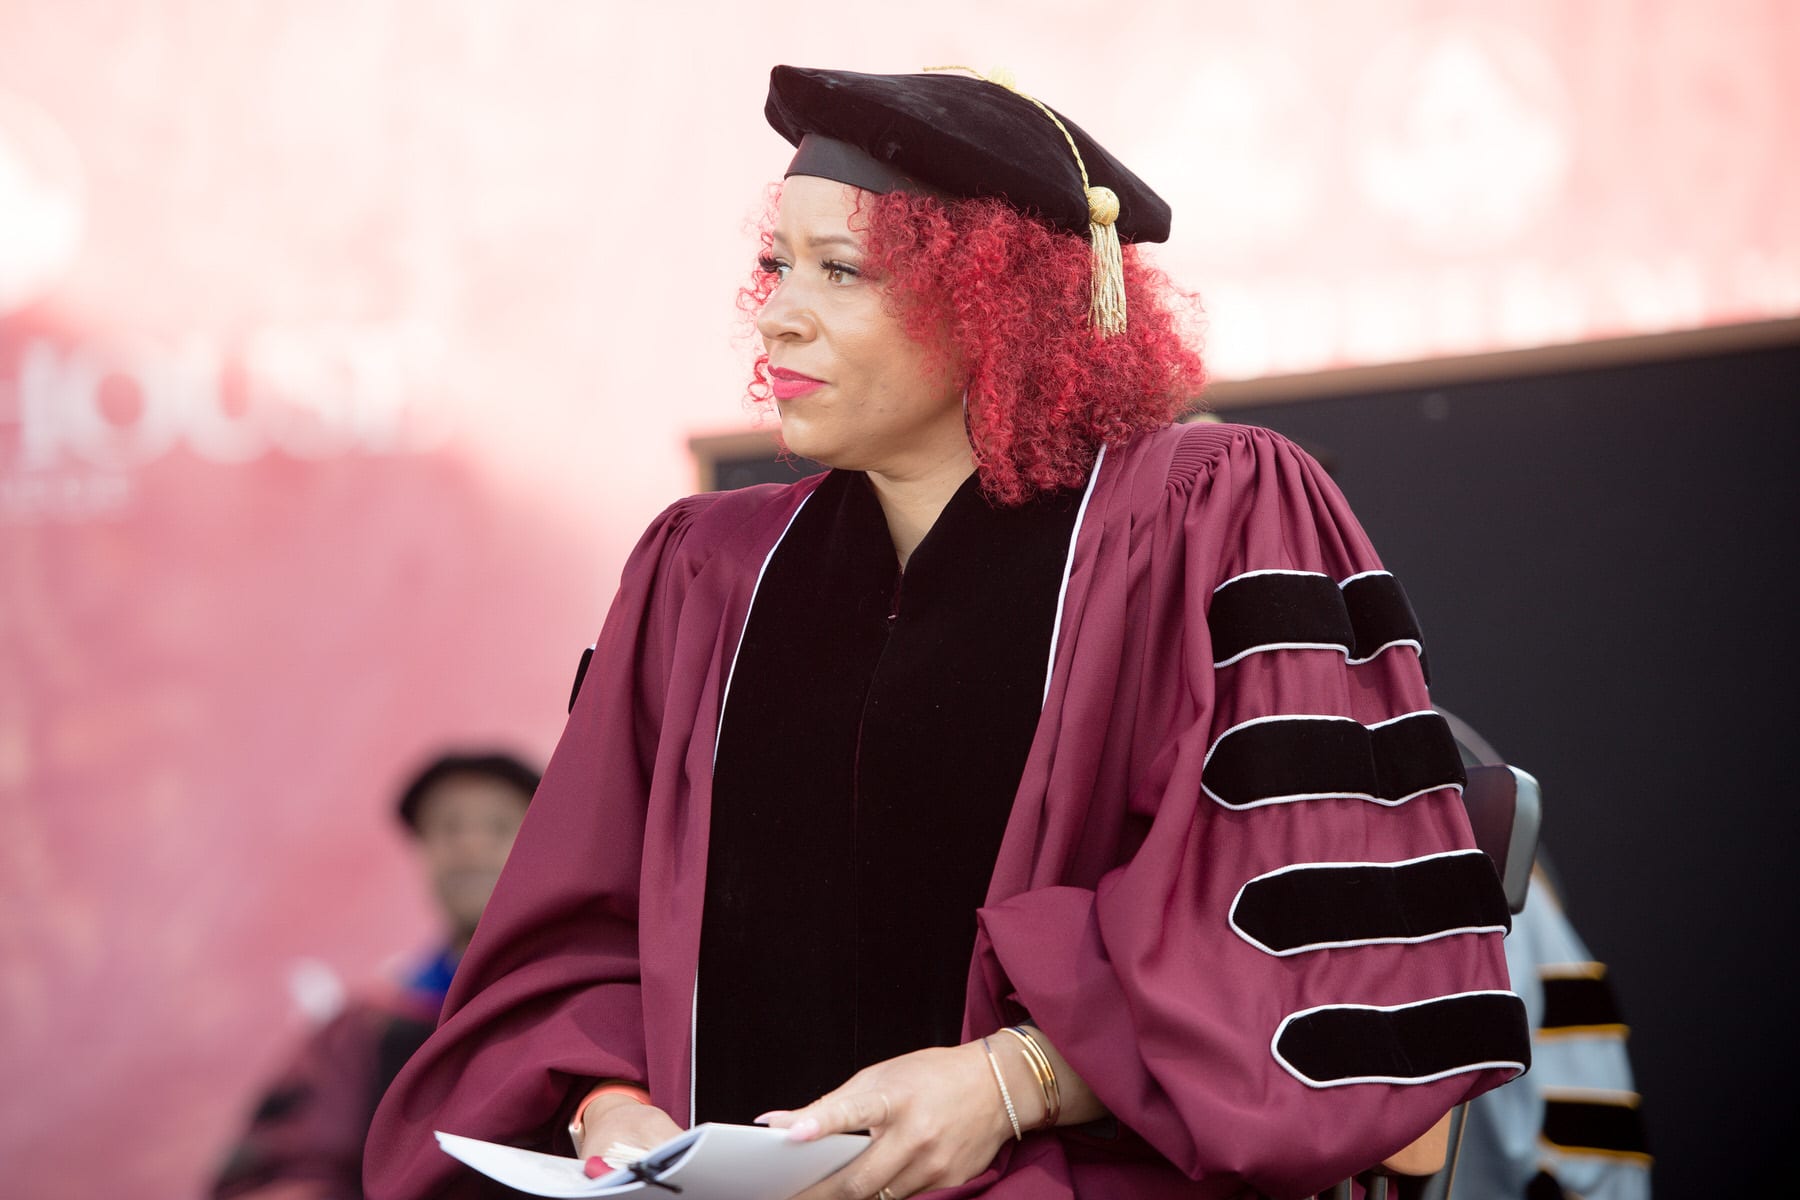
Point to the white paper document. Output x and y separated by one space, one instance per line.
708 1162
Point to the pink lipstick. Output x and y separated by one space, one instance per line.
788 384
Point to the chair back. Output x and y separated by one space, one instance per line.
1505 807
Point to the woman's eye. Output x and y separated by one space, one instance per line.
838 272
772 266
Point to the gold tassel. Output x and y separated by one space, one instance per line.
1106 304
1106 298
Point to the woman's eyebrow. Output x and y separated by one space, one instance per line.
830 239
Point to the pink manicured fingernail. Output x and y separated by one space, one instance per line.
803 1130
595 1167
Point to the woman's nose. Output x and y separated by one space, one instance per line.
785 316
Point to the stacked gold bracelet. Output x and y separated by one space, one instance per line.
1012 1114
1043 1070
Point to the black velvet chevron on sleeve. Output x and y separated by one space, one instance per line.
1382 616
1277 608
1321 905
1344 1044
1272 610
1284 759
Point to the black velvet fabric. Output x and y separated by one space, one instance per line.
965 137
1576 1003
581 670
1543 1186
1265 611
1259 611
1419 1042
1329 756
1581 1125
1323 905
872 741
1381 615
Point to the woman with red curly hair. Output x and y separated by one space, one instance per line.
1005 298
1048 790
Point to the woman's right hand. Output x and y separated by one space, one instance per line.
616 1118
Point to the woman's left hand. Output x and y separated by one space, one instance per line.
934 1117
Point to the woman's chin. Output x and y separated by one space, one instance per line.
805 443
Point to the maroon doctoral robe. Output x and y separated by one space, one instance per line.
1236 890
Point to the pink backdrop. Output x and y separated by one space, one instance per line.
346 346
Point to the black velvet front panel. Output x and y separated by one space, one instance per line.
871 744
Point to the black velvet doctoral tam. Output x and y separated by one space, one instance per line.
967 138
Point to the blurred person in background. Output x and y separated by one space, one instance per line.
1572 1129
1050 789
305 1139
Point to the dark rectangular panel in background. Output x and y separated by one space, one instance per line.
1605 565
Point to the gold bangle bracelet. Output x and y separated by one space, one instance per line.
1043 1070
1012 1114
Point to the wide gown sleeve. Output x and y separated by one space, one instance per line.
1298 967
547 996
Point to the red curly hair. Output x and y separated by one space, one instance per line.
1010 296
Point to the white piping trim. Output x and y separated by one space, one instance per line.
1062 593
694 1050
1350 579
1338 646
1213 749
1268 571
718 735
1465 1069
1419 712
1231 916
1376 653
1246 653
1299 796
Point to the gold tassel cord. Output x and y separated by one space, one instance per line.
1106 301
